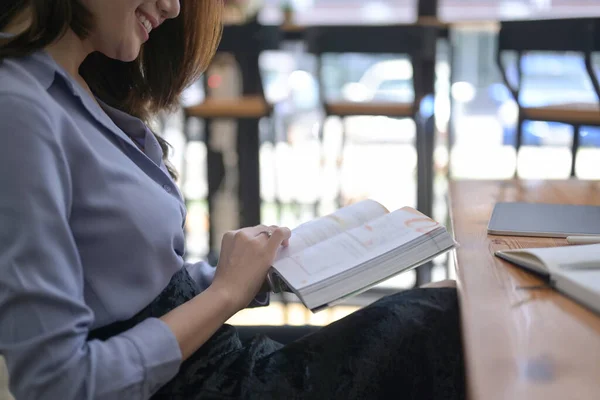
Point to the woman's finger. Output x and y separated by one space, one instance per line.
279 236
257 230
286 242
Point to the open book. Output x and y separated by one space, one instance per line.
345 253
572 270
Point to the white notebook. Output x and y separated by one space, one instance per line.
349 251
573 270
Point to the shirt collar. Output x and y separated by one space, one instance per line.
136 128
41 65
45 69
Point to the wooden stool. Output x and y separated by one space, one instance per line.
575 114
374 108
251 107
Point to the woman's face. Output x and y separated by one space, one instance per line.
122 26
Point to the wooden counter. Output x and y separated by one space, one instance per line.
520 342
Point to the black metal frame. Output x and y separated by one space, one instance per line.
419 44
557 35
247 41
425 144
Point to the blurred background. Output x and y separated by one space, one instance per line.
310 163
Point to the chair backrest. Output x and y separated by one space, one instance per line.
427 8
414 41
548 35
392 39
554 35
597 35
250 38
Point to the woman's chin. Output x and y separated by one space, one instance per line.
130 56
128 53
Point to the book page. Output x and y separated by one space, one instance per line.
555 260
581 285
524 259
321 229
354 247
568 257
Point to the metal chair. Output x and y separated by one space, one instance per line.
565 35
408 40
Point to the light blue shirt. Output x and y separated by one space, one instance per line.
91 231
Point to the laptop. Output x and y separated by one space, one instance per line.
544 220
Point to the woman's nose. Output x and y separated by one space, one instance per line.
169 8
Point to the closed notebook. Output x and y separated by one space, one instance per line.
572 270
544 220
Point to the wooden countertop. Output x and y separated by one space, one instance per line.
520 343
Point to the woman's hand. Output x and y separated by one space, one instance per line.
246 256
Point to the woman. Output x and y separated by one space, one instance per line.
95 299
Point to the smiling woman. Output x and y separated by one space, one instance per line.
164 62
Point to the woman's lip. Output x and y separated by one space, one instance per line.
143 28
153 21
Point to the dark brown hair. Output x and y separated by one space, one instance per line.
174 57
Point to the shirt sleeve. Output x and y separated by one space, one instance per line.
44 320
202 273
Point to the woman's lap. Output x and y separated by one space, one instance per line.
406 346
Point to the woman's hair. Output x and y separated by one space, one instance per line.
174 57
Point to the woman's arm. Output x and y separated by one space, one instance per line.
203 274
194 322
246 256
44 320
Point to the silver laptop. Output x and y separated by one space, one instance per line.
544 220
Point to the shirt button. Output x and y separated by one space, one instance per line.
167 188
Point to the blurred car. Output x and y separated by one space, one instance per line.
389 81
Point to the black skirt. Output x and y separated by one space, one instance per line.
405 346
